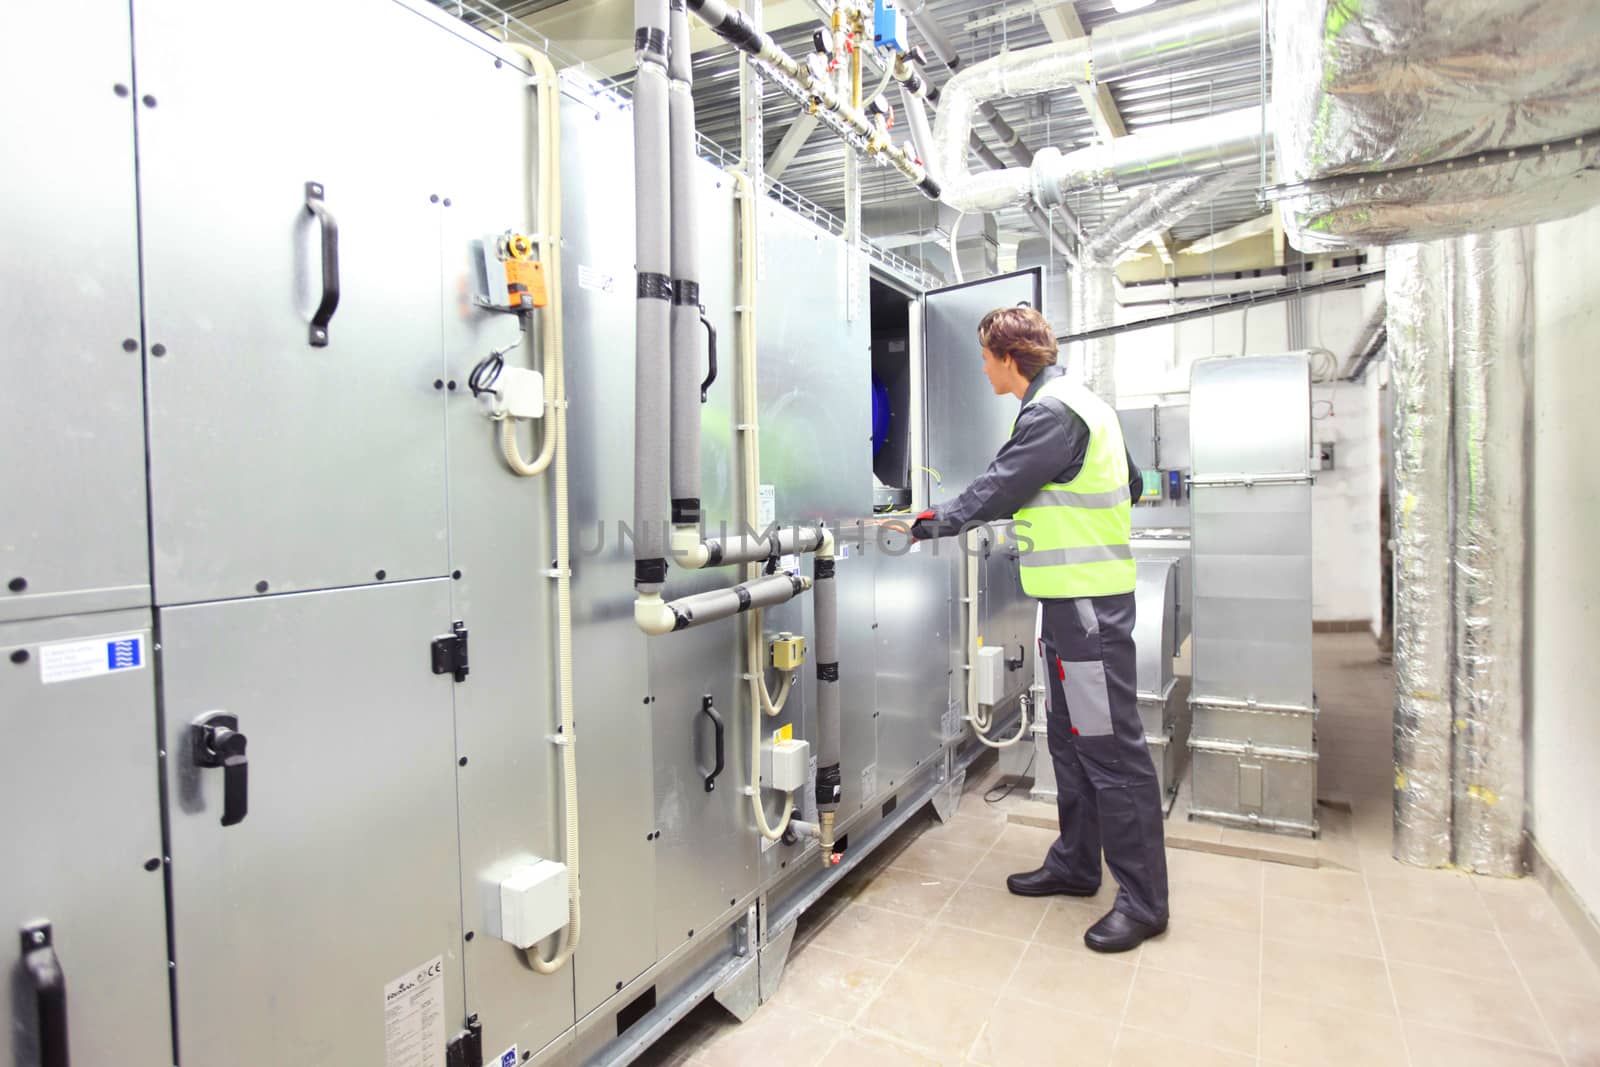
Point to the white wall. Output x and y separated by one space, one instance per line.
1347 580
1564 594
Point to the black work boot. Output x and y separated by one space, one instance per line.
1046 883
1116 932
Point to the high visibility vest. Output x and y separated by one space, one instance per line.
1079 529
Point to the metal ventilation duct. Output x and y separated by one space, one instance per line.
1380 89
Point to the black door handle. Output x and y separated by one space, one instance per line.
1021 657
218 743
710 712
711 349
43 969
330 264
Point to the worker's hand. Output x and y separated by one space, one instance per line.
919 532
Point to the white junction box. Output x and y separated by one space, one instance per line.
991 668
517 392
786 764
533 903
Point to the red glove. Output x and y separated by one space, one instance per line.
921 535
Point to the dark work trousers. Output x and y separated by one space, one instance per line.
1107 796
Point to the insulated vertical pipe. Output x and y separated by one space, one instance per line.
825 593
686 339
1093 296
1417 292
1492 320
653 329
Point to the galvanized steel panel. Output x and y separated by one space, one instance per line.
966 422
289 926
501 541
915 629
1155 625
83 819
271 460
816 368
73 525
1250 416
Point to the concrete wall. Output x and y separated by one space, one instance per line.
1564 580
1347 581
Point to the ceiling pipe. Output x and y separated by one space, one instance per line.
1197 30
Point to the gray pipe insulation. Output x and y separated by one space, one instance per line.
826 595
748 548
685 463
653 327
769 591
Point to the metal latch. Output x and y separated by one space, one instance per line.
466 1048
450 652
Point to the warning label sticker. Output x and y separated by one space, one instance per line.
508 1058
413 1017
69 661
766 506
597 280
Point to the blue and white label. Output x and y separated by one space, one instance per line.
70 661
508 1058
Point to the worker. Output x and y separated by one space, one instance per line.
1067 480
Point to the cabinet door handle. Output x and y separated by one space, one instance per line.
43 969
710 712
711 352
329 227
218 743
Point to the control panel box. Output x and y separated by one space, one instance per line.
786 764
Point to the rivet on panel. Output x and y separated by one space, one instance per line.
158 350
130 345
152 864
20 656
462 762
120 89
149 101
261 587
17 585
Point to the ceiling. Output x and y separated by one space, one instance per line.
599 32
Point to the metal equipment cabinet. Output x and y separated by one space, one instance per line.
82 836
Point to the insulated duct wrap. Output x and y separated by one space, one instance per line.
1217 143
687 340
825 595
1382 87
1493 285
1093 295
1417 294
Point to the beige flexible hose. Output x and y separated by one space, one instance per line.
761 700
548 90
979 715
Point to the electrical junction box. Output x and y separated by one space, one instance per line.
533 903
515 392
889 25
1152 488
991 681
788 652
786 764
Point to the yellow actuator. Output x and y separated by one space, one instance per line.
788 652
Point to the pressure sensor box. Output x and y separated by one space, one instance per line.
786 765
889 25
533 903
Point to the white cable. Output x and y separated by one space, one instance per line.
555 446
955 260
750 450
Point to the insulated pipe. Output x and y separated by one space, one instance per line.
917 116
1154 212
1092 291
652 436
1493 324
656 616
826 596
686 339
748 548
1010 139
937 39
1366 338
1147 42
1417 293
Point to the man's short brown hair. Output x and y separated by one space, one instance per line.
1021 333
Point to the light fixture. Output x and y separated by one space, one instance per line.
1124 7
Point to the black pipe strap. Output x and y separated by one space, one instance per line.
796 584
932 93
650 42
653 286
713 553
686 511
737 31
830 787
679 5
929 187
822 569
685 292
744 597
682 619
828 672
649 571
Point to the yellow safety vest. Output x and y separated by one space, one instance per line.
1079 529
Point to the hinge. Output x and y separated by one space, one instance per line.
450 652
466 1048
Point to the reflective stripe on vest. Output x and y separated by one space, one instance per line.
1074 535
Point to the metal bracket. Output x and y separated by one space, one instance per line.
948 797
449 652
774 958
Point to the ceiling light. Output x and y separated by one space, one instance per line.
1123 7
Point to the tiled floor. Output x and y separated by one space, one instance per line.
925 959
